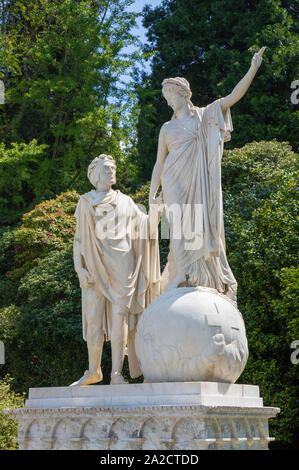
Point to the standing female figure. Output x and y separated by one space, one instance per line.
188 168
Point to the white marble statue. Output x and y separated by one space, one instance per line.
188 168
118 268
191 334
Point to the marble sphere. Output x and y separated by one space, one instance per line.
191 334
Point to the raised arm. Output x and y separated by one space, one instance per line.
157 171
240 89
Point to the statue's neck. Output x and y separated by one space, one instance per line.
103 188
182 113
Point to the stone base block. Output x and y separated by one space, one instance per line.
162 416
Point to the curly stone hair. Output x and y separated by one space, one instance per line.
94 164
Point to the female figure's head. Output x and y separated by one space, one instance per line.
177 93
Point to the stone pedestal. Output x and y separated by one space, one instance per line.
150 416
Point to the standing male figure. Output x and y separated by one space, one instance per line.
118 268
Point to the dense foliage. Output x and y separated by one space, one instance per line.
61 64
211 43
40 311
261 224
8 426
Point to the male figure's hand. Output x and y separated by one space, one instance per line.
155 211
85 278
156 200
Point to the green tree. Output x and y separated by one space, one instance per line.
61 62
20 164
211 43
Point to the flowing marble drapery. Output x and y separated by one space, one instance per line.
121 259
191 178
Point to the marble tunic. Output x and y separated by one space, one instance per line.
122 260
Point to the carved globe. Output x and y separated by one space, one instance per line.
191 334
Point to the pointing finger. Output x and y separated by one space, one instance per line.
261 51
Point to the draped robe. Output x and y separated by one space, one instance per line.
191 178
117 252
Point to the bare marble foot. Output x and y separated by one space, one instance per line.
88 378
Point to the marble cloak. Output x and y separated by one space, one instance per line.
192 176
124 263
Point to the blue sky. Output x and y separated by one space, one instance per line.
139 30
137 7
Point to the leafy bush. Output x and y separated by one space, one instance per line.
42 305
261 227
8 426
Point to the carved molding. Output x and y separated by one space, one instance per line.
147 428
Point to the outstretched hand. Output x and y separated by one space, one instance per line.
258 58
155 211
